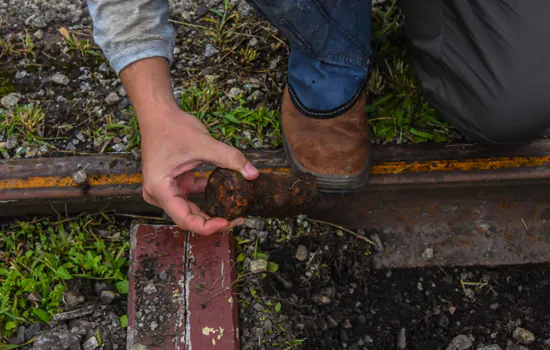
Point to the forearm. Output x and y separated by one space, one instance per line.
147 83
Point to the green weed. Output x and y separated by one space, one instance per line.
294 344
230 120
39 257
82 46
17 46
219 32
396 109
26 122
104 131
248 55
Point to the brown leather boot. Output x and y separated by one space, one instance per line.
335 150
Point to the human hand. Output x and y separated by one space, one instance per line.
172 146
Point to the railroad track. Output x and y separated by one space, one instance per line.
431 206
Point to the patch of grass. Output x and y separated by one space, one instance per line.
75 43
227 30
128 130
103 132
219 33
396 109
17 46
248 55
41 256
26 123
229 119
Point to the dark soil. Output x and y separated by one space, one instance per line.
334 300
103 323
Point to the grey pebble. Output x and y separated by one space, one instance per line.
91 344
39 22
210 51
428 254
10 100
11 143
523 336
119 147
107 297
379 246
234 92
73 299
39 34
104 67
81 137
258 307
70 147
460 342
253 42
57 340
258 265
60 79
150 288
112 98
301 253
254 222
401 343
21 74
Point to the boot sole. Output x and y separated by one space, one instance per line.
339 184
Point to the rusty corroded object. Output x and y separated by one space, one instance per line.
229 195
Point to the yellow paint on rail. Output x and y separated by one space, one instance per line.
461 165
67 181
388 168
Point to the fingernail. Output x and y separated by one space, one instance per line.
250 170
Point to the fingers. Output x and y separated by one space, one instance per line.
237 222
188 216
182 214
229 157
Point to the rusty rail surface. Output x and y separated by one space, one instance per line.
459 205
118 176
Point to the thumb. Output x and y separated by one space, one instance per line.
229 157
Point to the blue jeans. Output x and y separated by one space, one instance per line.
330 51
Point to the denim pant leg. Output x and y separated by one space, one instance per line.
330 51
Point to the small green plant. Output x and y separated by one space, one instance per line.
7 47
219 32
294 344
27 45
17 46
248 55
39 257
82 46
478 286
